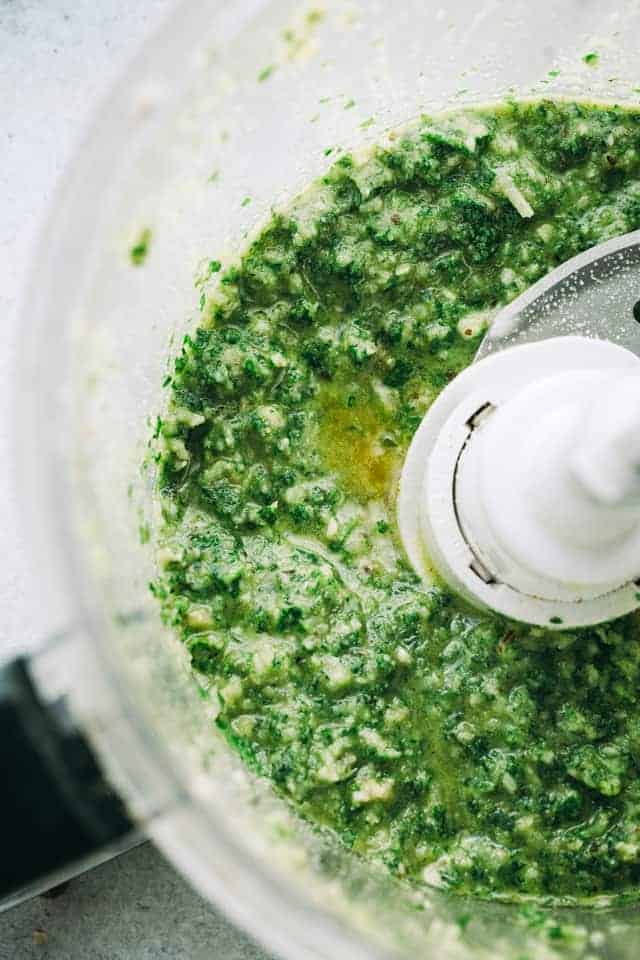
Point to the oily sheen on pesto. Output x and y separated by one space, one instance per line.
457 749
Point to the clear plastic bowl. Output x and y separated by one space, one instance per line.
237 100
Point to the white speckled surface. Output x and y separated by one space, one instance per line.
57 59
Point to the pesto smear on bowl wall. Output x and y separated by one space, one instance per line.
456 748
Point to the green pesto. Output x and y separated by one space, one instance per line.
454 747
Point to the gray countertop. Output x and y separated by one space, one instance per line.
57 59
134 908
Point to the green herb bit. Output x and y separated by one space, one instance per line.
267 72
140 249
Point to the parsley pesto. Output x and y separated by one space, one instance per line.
456 748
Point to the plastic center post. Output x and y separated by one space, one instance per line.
521 487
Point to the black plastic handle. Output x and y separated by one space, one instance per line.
56 808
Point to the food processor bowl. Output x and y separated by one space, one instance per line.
228 112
